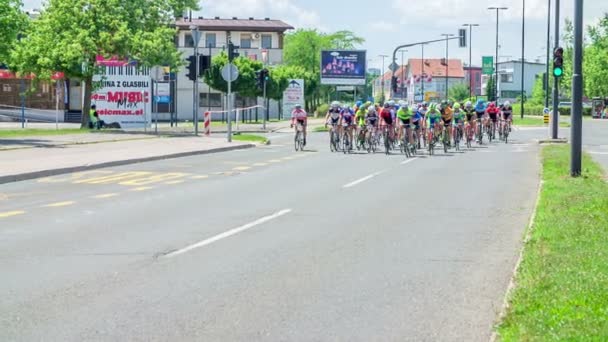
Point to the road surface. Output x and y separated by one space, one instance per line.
268 245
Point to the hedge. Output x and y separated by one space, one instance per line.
537 110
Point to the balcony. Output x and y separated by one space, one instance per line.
274 56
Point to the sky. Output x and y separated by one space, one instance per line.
385 24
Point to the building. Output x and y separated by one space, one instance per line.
258 39
509 78
428 80
473 74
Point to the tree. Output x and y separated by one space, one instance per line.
345 40
491 89
459 92
12 23
595 64
538 92
245 84
69 34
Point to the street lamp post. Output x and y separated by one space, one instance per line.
447 56
402 75
548 47
195 98
555 114
497 9
382 75
523 47
470 57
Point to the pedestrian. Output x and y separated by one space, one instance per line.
94 121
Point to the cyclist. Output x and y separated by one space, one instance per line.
418 121
386 119
507 114
360 118
433 117
447 116
492 113
333 117
480 110
459 116
347 121
299 115
371 120
404 114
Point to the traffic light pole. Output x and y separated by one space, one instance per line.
577 92
555 115
266 107
229 105
196 95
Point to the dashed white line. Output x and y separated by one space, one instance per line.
361 180
408 161
228 233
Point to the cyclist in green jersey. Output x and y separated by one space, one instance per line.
360 119
459 116
433 119
405 114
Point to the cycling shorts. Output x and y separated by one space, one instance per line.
506 116
388 121
405 121
469 117
372 121
446 122
479 115
493 116
334 121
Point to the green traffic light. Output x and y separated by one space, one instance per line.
558 72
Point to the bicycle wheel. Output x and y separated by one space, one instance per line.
387 143
332 141
296 141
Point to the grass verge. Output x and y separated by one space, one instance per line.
250 138
321 129
27 132
534 121
561 285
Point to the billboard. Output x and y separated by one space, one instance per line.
122 95
487 65
343 67
293 95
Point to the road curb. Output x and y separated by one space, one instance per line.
552 141
511 287
59 171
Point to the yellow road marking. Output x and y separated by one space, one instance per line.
113 178
59 204
158 178
242 168
200 177
105 195
74 176
260 164
11 213
174 182
142 188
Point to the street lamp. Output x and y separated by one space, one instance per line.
382 74
523 47
446 35
195 95
497 9
470 26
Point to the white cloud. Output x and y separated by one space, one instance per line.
285 10
382 26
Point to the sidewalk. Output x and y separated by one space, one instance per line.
56 158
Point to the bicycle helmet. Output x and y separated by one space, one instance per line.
335 104
386 105
507 104
298 106
359 104
468 104
391 103
456 106
433 106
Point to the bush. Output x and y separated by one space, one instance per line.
538 110
321 110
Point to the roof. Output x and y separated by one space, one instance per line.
436 67
254 25
401 71
519 62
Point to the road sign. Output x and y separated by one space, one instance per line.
487 65
393 67
345 88
229 76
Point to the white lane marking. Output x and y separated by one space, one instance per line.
596 152
359 181
228 233
408 161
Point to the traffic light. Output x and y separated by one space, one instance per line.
259 80
232 51
462 38
204 63
192 68
394 83
558 62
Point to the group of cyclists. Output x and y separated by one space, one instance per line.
401 124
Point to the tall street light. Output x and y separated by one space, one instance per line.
548 47
402 74
497 9
382 75
446 35
523 47
470 26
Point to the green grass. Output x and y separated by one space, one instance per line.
321 129
561 291
250 138
534 121
27 132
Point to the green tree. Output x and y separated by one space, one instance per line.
12 22
344 40
595 65
459 92
538 93
245 84
69 34
491 89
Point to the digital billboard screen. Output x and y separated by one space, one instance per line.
343 67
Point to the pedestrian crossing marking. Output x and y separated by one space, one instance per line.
142 188
113 178
103 196
200 177
154 178
260 164
12 213
242 168
174 182
59 204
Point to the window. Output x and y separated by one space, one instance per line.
266 41
210 40
245 41
188 40
7 87
510 94
214 98
45 88
506 78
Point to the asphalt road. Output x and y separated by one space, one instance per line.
268 244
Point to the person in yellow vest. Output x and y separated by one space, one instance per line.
93 118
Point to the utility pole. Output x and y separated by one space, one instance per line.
523 47
555 114
497 9
402 74
577 92
470 57
422 76
382 75
546 80
447 56
196 36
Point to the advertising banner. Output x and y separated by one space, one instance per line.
343 67
123 98
293 95
487 65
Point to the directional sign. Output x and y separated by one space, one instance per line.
230 72
487 65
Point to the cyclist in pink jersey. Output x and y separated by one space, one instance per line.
300 116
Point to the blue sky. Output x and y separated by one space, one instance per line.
387 23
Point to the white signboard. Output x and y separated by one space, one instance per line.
293 95
345 88
123 96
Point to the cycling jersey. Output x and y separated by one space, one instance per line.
386 115
360 116
404 114
447 114
299 114
458 116
433 117
347 116
507 111
469 112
